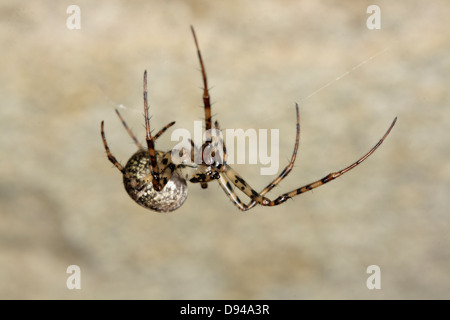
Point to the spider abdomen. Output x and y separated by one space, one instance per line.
137 169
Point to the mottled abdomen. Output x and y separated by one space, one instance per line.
171 197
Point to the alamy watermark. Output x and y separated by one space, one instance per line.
214 153
374 20
374 280
73 22
74 280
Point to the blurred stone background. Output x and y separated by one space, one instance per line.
63 203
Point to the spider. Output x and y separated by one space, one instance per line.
157 183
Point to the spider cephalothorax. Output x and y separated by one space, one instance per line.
157 181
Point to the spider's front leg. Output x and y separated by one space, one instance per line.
331 176
206 97
232 176
206 100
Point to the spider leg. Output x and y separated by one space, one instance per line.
206 97
160 132
134 137
129 131
288 168
204 185
167 169
228 189
225 155
239 182
242 185
194 150
206 101
150 142
330 177
108 153
259 198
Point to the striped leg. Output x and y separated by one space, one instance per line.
329 177
108 153
167 169
206 103
228 189
194 151
154 170
238 181
160 132
129 131
225 155
215 148
259 198
206 97
288 168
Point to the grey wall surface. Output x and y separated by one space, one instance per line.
62 203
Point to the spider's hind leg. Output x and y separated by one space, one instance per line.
258 198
